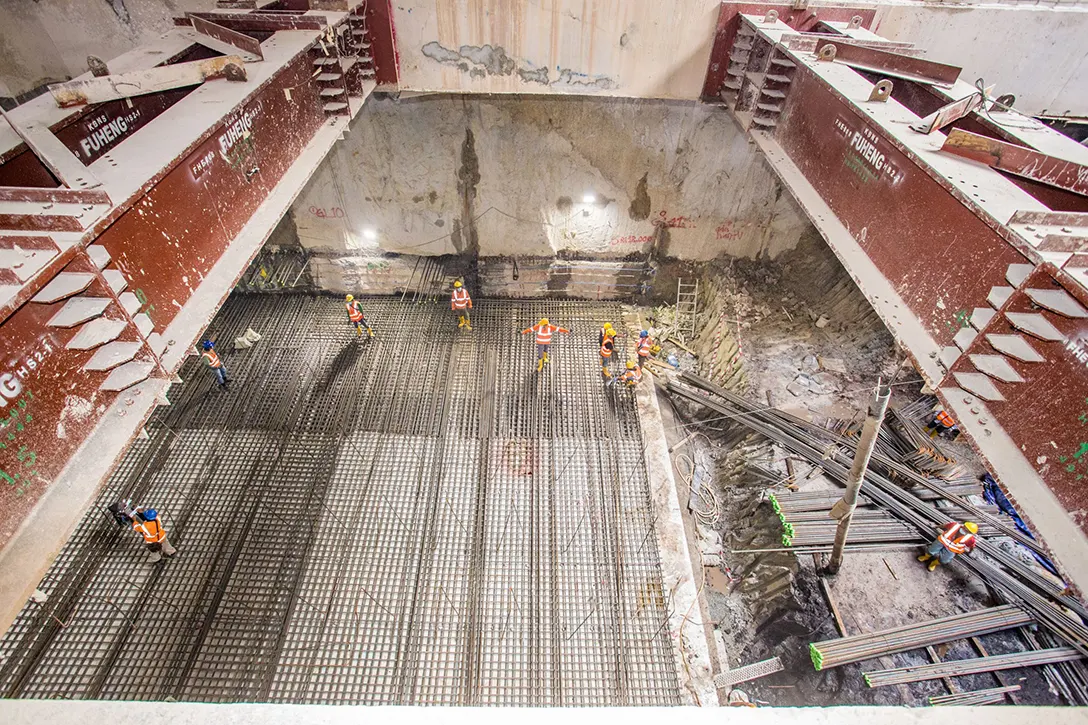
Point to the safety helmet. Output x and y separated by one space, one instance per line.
630 364
644 333
457 284
348 298
608 327
208 344
971 526
150 515
543 321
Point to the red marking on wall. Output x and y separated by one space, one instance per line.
674 222
727 230
631 239
331 213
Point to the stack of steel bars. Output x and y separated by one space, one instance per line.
846 650
1017 582
974 666
977 697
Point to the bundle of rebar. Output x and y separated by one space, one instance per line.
861 647
1017 582
958 668
977 697
865 529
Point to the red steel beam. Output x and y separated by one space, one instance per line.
54 196
1018 160
890 64
258 21
241 41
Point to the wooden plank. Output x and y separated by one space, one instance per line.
1018 160
53 196
247 47
150 80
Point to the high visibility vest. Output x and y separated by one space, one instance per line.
544 333
212 359
956 544
152 531
946 420
460 299
632 376
644 346
355 311
607 344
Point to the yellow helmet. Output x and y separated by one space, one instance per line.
457 284
608 327
971 526
348 298
630 364
543 321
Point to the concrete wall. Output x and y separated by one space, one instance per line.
511 176
44 41
643 48
1038 53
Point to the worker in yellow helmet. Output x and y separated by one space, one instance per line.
461 303
544 331
954 539
633 375
356 316
606 339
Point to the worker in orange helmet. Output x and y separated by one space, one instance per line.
633 375
544 331
461 302
954 539
606 339
148 523
356 316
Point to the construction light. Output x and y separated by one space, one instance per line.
589 199
370 234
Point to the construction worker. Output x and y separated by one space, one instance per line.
633 375
212 359
356 316
645 347
943 425
606 339
953 540
544 331
462 303
146 522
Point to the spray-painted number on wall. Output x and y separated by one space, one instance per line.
323 213
20 474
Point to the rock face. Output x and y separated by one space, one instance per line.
578 177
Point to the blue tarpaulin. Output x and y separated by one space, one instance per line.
996 496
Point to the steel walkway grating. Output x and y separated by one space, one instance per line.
414 519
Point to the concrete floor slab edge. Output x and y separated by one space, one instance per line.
35 712
690 646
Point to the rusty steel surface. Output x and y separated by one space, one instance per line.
1047 413
212 193
802 20
151 80
240 41
1018 160
933 250
889 63
383 40
258 21
54 196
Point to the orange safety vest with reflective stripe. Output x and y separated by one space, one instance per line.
633 375
607 344
152 531
460 299
212 359
946 420
644 346
544 333
956 544
355 311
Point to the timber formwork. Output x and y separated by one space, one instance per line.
418 518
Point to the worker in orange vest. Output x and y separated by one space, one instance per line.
211 358
460 302
147 523
633 374
356 316
954 539
943 425
645 347
606 339
544 331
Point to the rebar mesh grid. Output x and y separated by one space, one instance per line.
418 518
